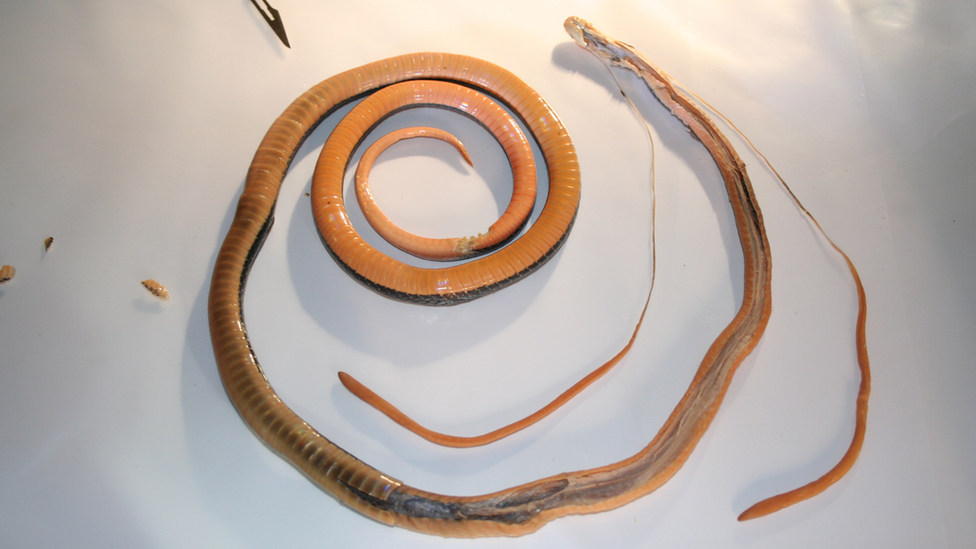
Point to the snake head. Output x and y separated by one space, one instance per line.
594 41
576 28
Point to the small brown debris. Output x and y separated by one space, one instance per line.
6 273
156 289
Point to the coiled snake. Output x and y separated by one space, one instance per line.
525 508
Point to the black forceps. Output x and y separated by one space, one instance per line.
274 20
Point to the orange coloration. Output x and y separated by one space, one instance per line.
520 509
7 272
621 55
378 402
451 283
156 289
466 100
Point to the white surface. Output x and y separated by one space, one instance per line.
126 132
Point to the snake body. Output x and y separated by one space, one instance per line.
755 246
520 509
446 95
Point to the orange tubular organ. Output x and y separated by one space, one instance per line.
427 248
